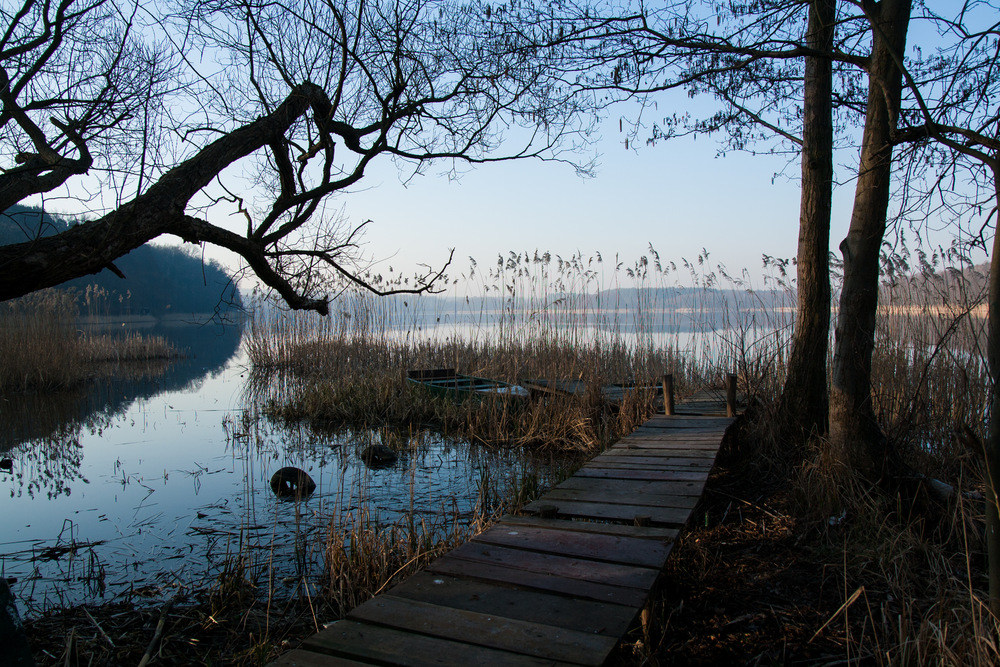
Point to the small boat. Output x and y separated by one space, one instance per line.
449 383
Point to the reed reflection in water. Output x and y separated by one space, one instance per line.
151 485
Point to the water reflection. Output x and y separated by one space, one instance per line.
150 486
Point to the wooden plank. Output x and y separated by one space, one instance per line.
689 422
353 639
680 436
507 634
638 487
661 448
692 432
609 459
671 516
554 497
610 620
659 475
299 658
710 438
708 443
613 574
676 435
594 546
664 535
539 581
694 419
637 449
604 465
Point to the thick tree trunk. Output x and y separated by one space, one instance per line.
804 400
993 437
855 437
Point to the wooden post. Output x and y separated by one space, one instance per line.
668 394
731 395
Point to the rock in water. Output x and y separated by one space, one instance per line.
378 455
292 482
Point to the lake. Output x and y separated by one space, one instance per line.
145 486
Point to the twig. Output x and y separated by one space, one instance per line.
156 635
99 628
851 600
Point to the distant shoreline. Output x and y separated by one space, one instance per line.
148 321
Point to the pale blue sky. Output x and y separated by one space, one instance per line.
676 195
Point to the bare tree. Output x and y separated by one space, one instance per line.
772 67
258 110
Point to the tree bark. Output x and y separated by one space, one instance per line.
803 407
855 437
992 453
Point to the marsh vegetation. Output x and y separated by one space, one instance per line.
888 579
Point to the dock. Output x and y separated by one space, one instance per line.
558 584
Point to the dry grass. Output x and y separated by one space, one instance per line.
790 560
531 316
42 349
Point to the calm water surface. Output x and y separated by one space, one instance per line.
144 487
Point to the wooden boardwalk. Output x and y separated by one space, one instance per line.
558 585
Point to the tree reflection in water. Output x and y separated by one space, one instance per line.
41 431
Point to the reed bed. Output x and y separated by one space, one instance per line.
530 316
839 570
43 349
906 571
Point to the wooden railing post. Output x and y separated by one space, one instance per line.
668 394
731 395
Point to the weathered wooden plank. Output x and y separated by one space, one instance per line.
539 581
678 434
603 465
654 448
610 548
709 436
507 634
692 432
353 639
691 421
299 658
660 475
610 620
665 535
556 496
672 516
636 486
685 423
613 574
636 449
667 437
609 459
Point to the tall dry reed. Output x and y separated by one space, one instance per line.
42 348
529 316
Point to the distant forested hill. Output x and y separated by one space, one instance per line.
159 280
